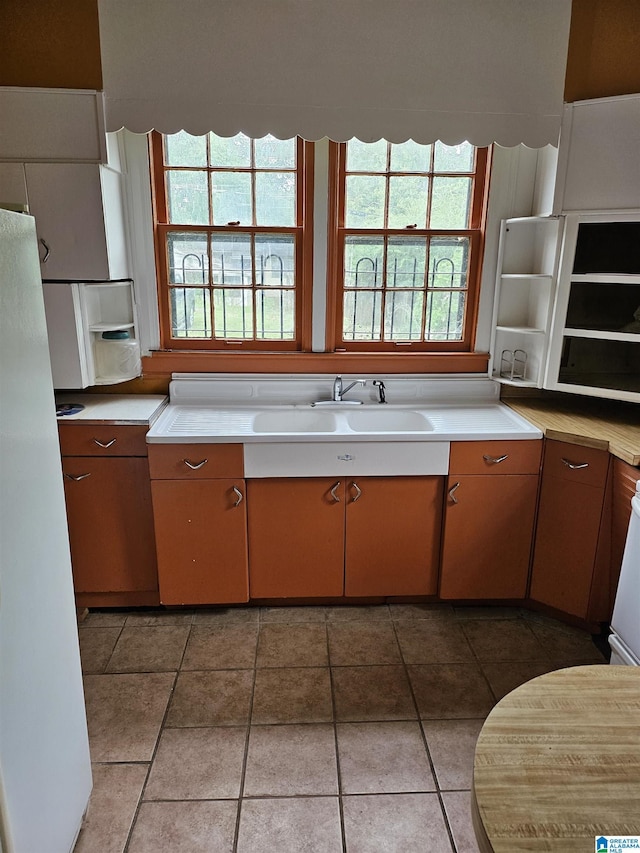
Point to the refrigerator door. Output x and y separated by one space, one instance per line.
625 621
45 769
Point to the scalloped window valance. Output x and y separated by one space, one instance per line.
478 70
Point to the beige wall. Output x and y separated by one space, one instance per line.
55 43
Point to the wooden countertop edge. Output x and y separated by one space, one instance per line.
582 435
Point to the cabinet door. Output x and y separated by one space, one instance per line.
296 537
110 524
78 212
201 539
393 536
488 532
568 528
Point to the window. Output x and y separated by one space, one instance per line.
234 244
232 224
408 245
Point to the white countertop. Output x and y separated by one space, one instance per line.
227 423
140 409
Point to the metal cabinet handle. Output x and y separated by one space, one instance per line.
239 495
358 491
333 494
47 252
452 490
195 465
575 466
104 444
493 460
77 477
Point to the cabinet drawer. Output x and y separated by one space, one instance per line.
102 440
576 463
195 461
495 457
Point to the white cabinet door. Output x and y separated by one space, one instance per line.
68 202
13 186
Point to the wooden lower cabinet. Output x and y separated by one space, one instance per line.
110 529
201 540
296 537
490 513
488 533
392 536
573 528
323 537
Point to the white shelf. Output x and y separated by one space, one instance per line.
602 278
601 335
109 327
518 383
521 330
525 276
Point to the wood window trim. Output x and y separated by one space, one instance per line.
304 258
476 234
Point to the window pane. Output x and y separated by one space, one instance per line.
450 202
275 260
363 258
190 312
188 258
231 259
406 260
272 153
361 317
445 316
410 156
408 202
403 315
233 312
453 158
276 198
366 156
364 201
188 198
275 314
231 200
182 149
448 261
232 152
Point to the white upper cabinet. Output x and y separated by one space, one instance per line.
79 220
45 125
598 163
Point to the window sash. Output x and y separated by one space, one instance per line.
341 234
299 337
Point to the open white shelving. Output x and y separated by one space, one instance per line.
525 288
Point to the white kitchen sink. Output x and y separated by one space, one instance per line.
294 420
388 420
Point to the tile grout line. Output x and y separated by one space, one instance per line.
157 743
445 817
343 831
236 833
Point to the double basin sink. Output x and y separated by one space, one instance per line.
378 420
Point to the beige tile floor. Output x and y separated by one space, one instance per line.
320 729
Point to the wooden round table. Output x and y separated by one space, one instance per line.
557 763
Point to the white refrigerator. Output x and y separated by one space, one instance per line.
45 769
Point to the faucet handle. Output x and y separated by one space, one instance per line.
381 390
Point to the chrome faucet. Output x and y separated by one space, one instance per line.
339 390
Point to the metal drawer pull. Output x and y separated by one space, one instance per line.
195 465
77 477
452 496
332 492
358 492
103 444
575 466
47 252
493 460
239 495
